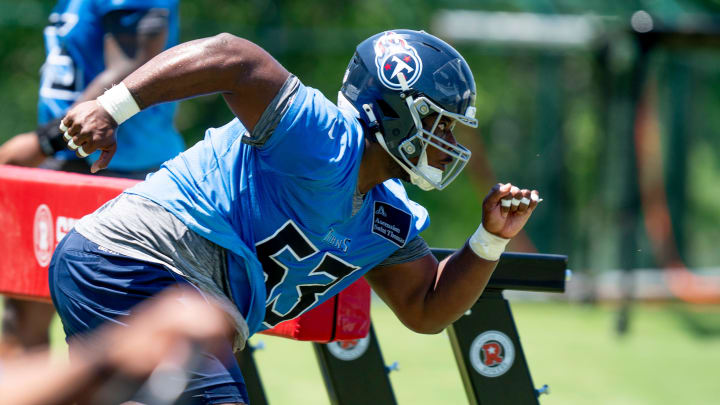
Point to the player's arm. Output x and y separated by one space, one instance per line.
157 333
246 75
427 296
132 37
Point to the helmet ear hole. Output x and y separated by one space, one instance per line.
387 111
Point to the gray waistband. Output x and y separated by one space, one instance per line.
136 227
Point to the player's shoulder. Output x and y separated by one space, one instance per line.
311 107
230 131
393 192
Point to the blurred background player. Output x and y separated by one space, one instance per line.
91 45
113 363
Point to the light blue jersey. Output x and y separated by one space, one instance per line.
74 57
283 208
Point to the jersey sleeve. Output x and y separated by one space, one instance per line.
413 250
305 135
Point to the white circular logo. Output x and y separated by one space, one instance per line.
43 235
349 349
492 353
393 56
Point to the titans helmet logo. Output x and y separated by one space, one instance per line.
394 56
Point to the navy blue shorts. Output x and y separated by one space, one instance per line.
90 286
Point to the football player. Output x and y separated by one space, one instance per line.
91 44
294 199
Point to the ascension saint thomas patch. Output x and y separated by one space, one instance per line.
391 223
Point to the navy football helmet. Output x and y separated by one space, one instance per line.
397 78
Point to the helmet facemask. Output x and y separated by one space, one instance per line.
423 175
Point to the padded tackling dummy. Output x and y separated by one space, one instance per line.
38 208
345 316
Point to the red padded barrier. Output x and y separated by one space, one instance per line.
348 314
38 207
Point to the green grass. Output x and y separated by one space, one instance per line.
571 348
670 356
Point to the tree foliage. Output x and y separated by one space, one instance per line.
548 118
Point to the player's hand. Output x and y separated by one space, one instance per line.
506 209
89 128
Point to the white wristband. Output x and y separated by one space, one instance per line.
119 103
486 245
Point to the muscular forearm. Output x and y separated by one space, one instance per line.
247 76
461 279
427 296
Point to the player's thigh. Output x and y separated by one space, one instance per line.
90 286
89 289
216 380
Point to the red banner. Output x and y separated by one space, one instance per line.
39 207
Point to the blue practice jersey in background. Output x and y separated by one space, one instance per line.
283 210
74 57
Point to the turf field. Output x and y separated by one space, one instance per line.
671 356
